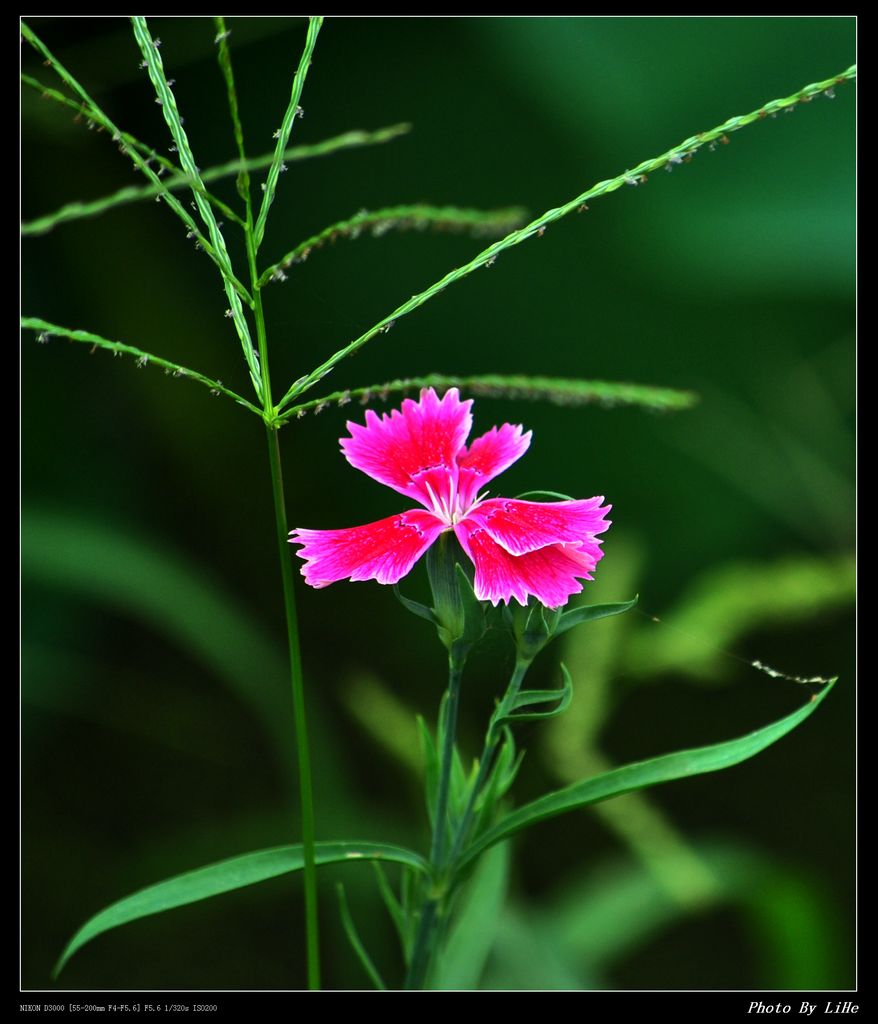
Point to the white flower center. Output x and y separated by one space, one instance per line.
449 507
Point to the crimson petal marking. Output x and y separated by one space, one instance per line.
384 551
488 456
393 449
522 526
551 574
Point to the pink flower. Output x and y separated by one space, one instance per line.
518 548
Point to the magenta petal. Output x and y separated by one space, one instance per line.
488 456
522 526
384 551
394 449
551 574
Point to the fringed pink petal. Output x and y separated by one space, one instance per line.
396 449
487 457
384 551
551 574
522 526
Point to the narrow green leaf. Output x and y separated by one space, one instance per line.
476 922
527 698
399 218
589 612
644 773
224 876
283 133
556 390
536 228
415 607
409 895
355 940
47 330
502 776
394 907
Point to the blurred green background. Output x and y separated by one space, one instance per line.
156 720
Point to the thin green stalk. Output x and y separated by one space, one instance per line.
306 794
312 935
426 934
486 762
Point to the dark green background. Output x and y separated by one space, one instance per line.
732 276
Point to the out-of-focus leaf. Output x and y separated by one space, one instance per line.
136 576
732 600
524 956
475 925
431 767
386 719
797 928
620 908
795 229
595 922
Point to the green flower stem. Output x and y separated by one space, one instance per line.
425 938
306 794
492 741
421 954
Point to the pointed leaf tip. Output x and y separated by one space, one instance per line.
590 612
224 876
